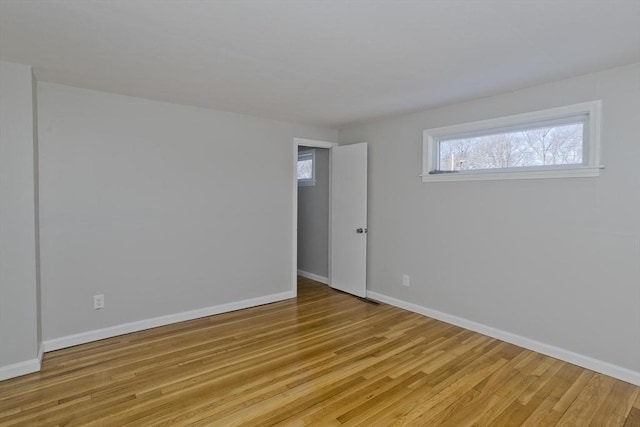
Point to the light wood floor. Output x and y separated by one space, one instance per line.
324 359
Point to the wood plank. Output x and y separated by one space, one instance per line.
586 405
633 420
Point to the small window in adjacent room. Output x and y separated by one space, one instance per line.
306 168
556 143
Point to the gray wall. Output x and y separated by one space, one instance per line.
162 208
19 339
554 260
313 219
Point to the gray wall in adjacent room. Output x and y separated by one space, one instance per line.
313 219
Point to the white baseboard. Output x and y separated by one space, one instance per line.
22 368
126 328
312 276
596 365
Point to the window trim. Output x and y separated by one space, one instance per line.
302 155
591 150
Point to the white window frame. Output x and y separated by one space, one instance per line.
306 155
555 116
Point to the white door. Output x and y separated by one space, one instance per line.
348 263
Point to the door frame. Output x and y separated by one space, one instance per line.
315 143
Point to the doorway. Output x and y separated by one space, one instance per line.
313 213
347 219
305 145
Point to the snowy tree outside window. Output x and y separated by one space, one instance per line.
306 167
561 142
554 145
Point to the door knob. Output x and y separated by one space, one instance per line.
361 230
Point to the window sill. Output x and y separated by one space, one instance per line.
310 183
577 172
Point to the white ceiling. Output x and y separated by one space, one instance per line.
330 62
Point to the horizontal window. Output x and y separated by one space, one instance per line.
551 145
560 142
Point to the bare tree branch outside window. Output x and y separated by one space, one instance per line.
553 145
305 169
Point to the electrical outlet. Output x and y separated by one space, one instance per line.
406 281
98 302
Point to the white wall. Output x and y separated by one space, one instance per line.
19 326
552 260
313 219
162 208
